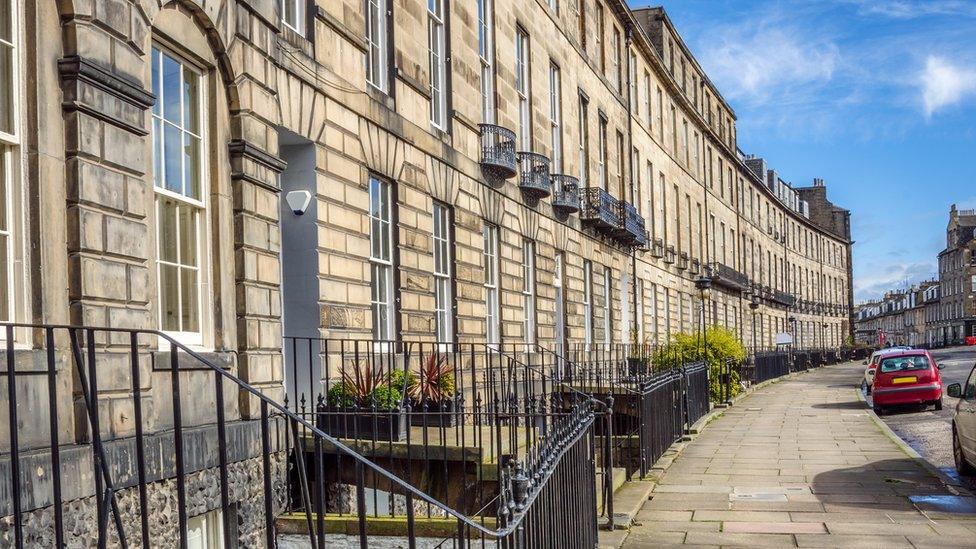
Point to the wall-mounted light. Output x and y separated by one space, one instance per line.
298 201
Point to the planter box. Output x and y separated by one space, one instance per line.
360 424
437 414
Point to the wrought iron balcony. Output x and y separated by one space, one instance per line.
599 209
657 248
726 276
630 231
565 193
669 254
534 175
783 298
683 261
497 151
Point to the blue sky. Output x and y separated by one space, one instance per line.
878 98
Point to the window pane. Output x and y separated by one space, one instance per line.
166 221
189 304
169 300
171 89
6 21
6 88
191 166
157 106
4 279
191 93
3 189
157 152
188 235
171 158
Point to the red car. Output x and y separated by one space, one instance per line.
907 377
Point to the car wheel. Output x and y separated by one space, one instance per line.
962 465
938 405
879 410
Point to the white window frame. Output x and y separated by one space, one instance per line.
607 324
555 118
588 303
639 300
493 330
300 10
601 158
377 64
523 88
443 274
486 51
436 49
199 206
584 139
10 165
206 531
382 268
528 291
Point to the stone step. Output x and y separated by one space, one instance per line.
628 501
619 479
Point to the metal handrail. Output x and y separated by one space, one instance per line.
267 407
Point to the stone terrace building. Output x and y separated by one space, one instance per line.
154 156
957 278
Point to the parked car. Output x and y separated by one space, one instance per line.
906 377
872 364
964 424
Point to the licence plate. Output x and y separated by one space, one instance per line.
907 379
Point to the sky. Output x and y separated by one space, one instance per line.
878 98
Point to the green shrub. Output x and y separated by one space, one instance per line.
341 394
385 397
718 345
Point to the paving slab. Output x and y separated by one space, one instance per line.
800 462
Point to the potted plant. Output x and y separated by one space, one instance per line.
638 356
433 393
366 403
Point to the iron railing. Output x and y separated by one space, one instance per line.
599 209
723 275
459 411
497 151
534 177
565 195
631 229
158 432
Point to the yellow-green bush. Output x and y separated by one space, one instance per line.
718 345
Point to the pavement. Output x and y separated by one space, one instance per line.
803 463
928 431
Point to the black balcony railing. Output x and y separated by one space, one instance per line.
631 230
599 209
497 151
725 276
565 193
783 298
534 177
657 248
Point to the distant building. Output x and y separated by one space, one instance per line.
957 279
899 318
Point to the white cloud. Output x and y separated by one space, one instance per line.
944 84
768 62
904 9
890 276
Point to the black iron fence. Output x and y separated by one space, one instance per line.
144 435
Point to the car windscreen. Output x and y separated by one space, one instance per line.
904 364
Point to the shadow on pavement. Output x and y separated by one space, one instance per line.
889 485
848 405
